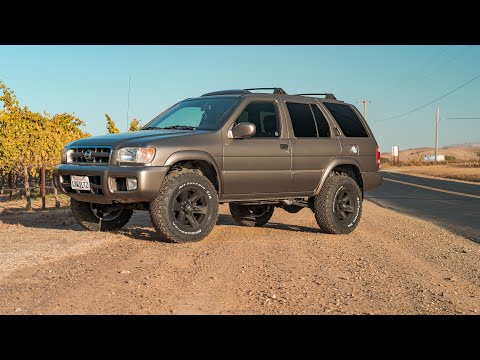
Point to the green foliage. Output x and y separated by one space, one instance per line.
134 125
61 129
111 127
29 139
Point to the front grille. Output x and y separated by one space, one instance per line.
99 155
95 185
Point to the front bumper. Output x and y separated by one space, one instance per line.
149 180
372 180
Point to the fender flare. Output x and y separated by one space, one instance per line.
337 161
195 155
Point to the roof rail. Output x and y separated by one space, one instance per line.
327 95
275 90
228 92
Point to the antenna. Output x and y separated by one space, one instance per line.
128 101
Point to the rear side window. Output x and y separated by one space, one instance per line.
302 120
346 118
322 124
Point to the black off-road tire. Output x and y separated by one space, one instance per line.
83 213
244 215
166 220
327 205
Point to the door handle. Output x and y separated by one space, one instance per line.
284 146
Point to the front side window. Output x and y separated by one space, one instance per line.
201 114
264 116
347 119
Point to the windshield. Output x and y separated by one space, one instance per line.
201 114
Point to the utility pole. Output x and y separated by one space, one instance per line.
436 134
365 108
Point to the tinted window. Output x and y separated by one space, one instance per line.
347 120
264 116
322 124
302 120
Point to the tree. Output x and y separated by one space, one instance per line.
29 139
111 127
60 130
134 125
19 139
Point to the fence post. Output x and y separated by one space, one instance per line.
10 184
43 186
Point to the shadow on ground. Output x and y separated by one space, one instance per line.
228 220
139 227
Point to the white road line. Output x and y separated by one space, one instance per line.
434 189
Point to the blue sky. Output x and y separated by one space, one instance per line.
93 80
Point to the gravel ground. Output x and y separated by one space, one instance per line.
391 264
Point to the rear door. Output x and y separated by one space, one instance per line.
355 138
313 144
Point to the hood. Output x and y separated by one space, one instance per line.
134 138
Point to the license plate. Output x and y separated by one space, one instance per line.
79 182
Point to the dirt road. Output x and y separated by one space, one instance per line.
392 264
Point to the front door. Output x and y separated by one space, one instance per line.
259 166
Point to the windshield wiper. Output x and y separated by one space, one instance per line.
151 128
179 127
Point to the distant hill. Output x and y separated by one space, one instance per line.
466 151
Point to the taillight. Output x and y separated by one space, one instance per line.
378 156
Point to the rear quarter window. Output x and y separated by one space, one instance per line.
347 119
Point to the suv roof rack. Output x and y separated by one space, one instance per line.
244 91
228 92
327 95
275 90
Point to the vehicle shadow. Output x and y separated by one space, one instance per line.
228 220
139 227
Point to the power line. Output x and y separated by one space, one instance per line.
462 118
431 102
428 65
460 54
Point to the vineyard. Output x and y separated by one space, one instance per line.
31 144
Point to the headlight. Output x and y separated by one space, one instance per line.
136 155
66 155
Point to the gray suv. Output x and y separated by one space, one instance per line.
255 150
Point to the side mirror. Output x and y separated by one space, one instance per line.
244 130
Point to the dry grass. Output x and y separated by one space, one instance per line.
450 171
459 152
18 205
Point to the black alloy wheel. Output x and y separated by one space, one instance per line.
344 206
190 208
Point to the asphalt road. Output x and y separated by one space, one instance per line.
453 205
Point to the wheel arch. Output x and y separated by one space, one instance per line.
348 165
196 159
